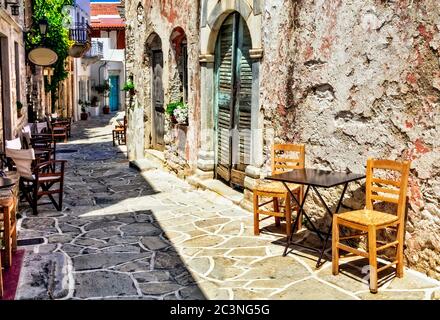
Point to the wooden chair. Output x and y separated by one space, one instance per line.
368 221
45 145
38 180
8 224
57 131
120 132
276 190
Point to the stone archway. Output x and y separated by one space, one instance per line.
213 15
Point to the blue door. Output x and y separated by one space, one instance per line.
114 93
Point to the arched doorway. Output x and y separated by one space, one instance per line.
154 50
233 100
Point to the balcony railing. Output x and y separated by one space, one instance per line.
96 50
81 33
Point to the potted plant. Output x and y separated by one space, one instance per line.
129 86
170 110
103 89
94 108
84 114
19 109
181 114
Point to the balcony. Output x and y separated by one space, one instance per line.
81 35
95 53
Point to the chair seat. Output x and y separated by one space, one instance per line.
274 186
368 217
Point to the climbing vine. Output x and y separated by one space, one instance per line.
56 38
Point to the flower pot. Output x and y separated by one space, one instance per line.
94 111
84 115
132 92
106 110
173 119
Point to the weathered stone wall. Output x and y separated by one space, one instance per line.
359 79
349 79
162 18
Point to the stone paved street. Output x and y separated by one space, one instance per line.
123 234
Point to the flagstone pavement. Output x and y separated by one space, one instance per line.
123 234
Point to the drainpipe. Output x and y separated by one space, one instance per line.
99 76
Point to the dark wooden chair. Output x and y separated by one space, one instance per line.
45 147
60 122
38 179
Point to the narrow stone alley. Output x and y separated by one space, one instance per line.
124 234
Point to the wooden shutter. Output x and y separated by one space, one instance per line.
225 81
242 141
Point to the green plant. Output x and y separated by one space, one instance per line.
94 101
19 105
56 38
129 85
102 88
173 106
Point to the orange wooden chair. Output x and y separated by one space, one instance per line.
8 227
386 189
282 161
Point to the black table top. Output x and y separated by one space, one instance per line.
6 183
316 177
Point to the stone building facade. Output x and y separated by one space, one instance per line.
163 60
350 80
12 66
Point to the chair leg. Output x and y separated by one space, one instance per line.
276 208
256 216
300 196
14 222
372 255
7 235
288 216
400 236
35 199
335 249
113 134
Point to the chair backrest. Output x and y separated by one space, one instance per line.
41 127
287 157
27 135
13 144
390 186
23 160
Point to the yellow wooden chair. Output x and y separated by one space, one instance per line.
276 190
369 221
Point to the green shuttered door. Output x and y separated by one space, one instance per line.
233 72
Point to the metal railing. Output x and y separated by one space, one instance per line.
96 50
81 33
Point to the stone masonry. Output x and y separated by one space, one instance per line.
349 79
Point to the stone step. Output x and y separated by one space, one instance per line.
217 187
156 158
44 276
142 165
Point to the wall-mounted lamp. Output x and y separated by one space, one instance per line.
43 24
15 7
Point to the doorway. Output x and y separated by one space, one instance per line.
233 97
114 93
158 100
